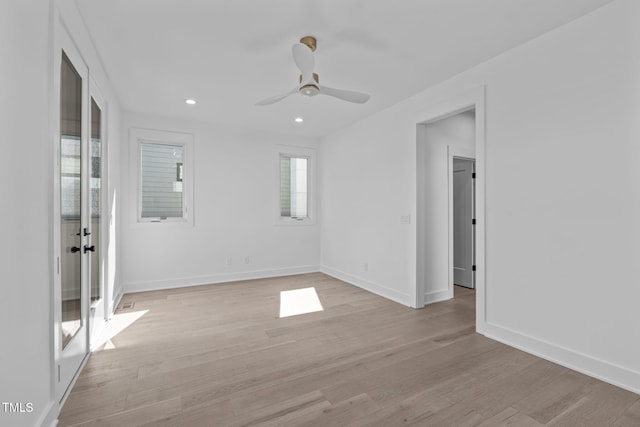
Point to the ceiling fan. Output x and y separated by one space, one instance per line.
309 81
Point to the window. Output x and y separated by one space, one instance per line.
293 187
295 199
161 183
165 176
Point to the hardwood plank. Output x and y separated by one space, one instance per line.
207 415
510 417
601 406
136 416
281 411
631 417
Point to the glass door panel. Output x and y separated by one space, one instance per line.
95 188
70 200
96 170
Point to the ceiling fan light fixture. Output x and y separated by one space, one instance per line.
309 90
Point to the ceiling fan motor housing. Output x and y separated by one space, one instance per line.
310 89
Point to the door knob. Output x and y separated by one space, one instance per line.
91 248
74 249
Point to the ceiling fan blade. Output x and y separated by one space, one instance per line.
345 95
303 57
274 99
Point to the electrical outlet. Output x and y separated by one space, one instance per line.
228 261
247 259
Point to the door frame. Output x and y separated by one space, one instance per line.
465 154
441 106
102 311
64 42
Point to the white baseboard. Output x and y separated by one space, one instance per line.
155 285
436 296
116 302
49 417
368 285
608 372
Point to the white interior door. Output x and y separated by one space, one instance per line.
463 241
72 239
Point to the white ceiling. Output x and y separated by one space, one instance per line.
229 54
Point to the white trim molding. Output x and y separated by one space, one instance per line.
436 296
49 417
138 136
181 282
367 285
597 368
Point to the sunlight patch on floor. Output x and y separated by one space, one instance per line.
118 323
299 301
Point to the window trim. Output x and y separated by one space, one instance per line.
297 152
137 137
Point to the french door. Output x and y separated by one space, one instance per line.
78 205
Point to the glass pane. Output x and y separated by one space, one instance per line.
293 187
70 239
95 184
285 186
162 169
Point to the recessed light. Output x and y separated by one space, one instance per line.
298 120
190 101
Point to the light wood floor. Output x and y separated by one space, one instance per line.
219 356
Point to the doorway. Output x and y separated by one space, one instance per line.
442 140
451 128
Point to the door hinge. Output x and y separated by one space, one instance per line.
473 175
58 373
473 221
473 268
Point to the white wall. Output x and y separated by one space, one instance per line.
235 195
25 252
432 212
367 185
561 194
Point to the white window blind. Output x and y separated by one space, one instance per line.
161 180
293 187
